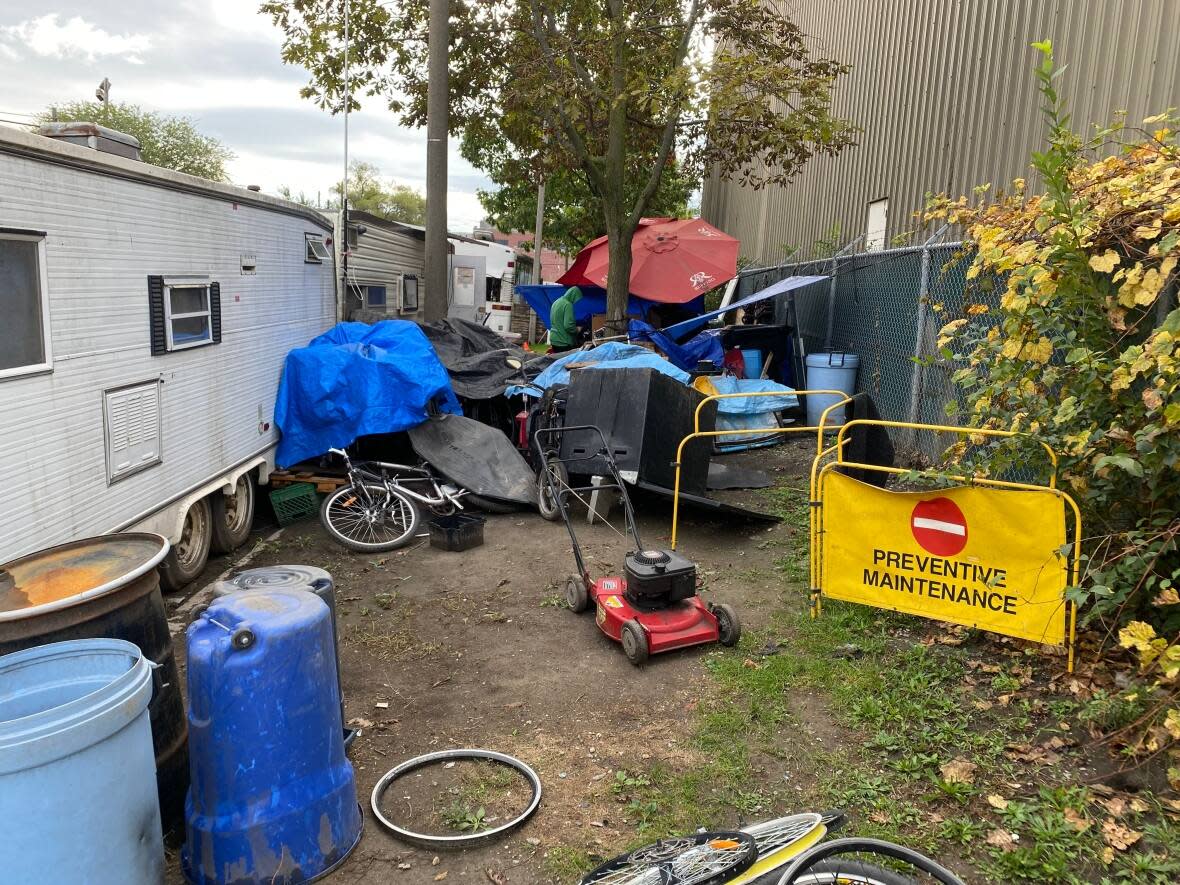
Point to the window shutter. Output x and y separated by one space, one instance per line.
159 335
215 311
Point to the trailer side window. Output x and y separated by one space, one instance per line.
184 313
24 304
317 252
375 296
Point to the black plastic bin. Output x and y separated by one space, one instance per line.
644 416
459 531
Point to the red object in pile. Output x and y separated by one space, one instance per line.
673 260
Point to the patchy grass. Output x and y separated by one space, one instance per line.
566 864
938 738
388 645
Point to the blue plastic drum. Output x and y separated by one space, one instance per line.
273 798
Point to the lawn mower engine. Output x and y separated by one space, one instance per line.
658 578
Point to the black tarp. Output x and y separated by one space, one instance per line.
475 456
476 358
731 476
868 444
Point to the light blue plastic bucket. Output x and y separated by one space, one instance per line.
77 770
829 371
752 360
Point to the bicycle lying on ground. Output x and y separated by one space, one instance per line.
756 854
377 509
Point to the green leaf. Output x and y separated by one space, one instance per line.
1124 462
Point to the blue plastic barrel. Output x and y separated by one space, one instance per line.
829 371
273 798
752 360
78 797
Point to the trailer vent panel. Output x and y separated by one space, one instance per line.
132 416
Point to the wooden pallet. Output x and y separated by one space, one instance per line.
323 484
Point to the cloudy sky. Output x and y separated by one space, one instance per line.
216 61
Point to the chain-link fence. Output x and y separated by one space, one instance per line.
886 307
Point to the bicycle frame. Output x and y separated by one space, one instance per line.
358 475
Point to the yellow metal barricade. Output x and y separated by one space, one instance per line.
697 433
935 533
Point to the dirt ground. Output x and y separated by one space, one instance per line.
443 650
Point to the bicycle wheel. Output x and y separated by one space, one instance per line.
369 519
551 479
855 861
699 859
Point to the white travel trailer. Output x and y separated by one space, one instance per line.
146 315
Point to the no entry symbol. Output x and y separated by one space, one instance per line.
939 526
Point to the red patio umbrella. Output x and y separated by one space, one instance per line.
673 260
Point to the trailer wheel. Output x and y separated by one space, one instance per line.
635 643
233 515
188 556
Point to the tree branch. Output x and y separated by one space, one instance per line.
668 139
576 142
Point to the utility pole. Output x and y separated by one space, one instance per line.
538 226
437 118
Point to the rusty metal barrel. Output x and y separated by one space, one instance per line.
106 588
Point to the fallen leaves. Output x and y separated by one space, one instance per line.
958 771
997 802
1075 820
1118 836
1002 840
1033 755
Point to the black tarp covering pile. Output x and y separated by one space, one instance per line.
479 458
476 358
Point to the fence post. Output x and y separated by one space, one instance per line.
918 374
850 246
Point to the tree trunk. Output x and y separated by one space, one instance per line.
618 280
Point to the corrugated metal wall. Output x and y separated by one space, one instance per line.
944 93
381 256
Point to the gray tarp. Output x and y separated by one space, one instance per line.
475 456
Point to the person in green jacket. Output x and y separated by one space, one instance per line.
563 330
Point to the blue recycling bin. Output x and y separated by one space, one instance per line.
273 797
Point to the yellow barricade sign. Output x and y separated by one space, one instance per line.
981 557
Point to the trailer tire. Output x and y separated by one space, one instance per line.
187 557
233 515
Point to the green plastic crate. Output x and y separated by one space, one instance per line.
294 502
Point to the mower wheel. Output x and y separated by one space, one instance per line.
576 596
635 643
729 628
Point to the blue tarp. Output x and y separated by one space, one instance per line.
541 297
354 380
706 346
750 413
785 285
611 355
753 405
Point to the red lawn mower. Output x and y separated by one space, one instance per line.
653 607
